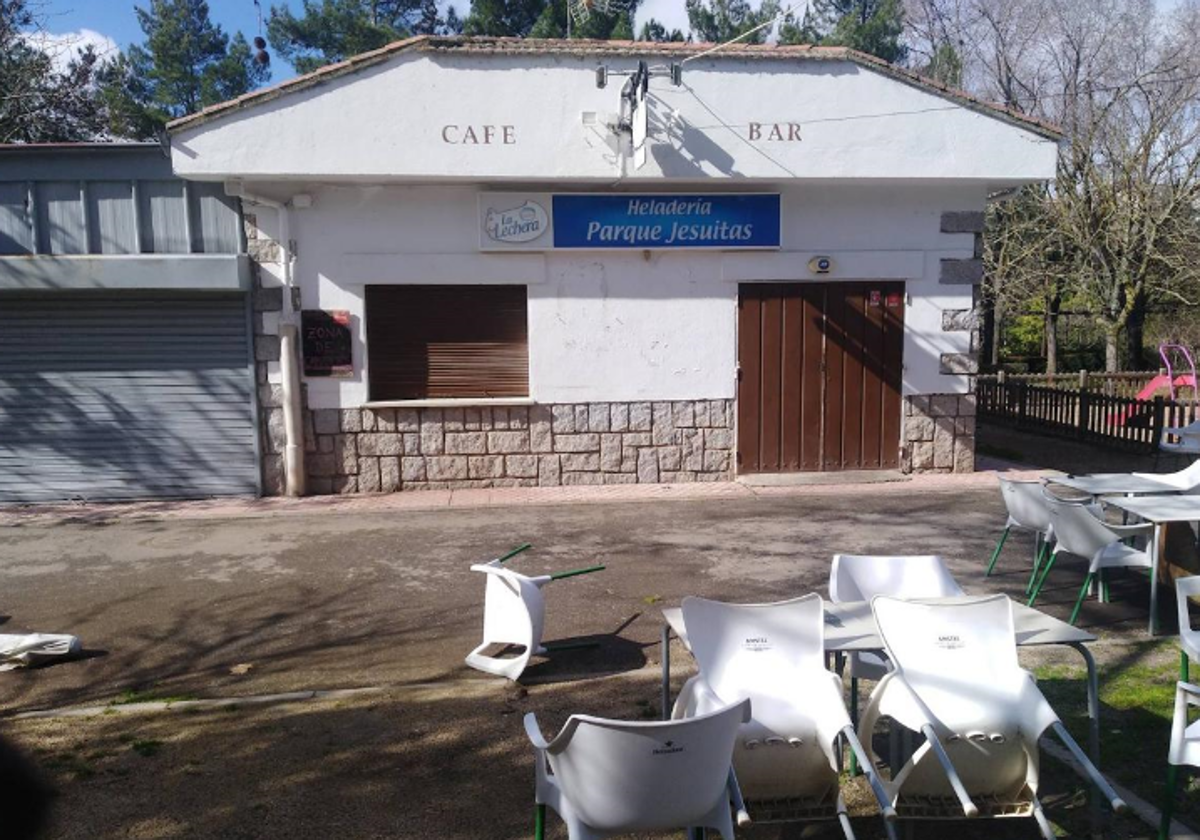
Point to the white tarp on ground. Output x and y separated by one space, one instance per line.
17 651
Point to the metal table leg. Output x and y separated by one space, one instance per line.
1155 542
666 671
1093 708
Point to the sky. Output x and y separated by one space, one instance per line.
112 24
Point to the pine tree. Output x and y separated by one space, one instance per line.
653 30
870 26
333 30
186 63
717 21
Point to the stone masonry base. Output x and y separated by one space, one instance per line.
939 433
386 450
374 450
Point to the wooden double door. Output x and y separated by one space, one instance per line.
819 376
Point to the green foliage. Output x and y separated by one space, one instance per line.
717 21
514 18
945 66
870 26
186 63
327 31
501 18
39 104
652 30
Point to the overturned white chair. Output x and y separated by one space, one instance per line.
957 681
514 612
25 649
606 777
1184 748
786 758
1186 480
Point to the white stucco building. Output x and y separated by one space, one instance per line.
765 262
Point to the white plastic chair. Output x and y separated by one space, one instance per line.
1026 507
1186 480
514 612
1189 638
957 682
787 757
1184 748
1078 531
20 650
1181 440
860 577
605 777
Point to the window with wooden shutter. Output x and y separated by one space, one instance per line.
427 342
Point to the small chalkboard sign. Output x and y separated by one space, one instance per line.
326 342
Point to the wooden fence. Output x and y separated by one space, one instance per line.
1085 414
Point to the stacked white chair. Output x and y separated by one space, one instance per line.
514 612
788 757
606 777
1185 737
1078 531
860 577
956 680
1026 506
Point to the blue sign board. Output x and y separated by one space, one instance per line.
666 221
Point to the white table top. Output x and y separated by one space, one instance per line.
1105 484
1160 508
851 626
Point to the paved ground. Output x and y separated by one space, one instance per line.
261 599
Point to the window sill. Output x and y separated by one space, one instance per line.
458 402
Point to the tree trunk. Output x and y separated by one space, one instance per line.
1135 350
1112 359
1053 304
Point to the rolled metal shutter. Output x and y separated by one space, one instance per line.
108 396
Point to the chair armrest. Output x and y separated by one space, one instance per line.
534 732
1141 529
1190 691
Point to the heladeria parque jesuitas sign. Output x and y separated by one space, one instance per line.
541 221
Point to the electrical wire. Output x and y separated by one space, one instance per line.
781 16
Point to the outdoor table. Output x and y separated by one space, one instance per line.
850 627
1160 510
1113 484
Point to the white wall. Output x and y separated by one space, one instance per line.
390 122
623 326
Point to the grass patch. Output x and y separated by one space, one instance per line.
1137 700
133 695
146 747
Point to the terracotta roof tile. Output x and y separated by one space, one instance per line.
632 49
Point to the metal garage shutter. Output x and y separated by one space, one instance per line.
125 396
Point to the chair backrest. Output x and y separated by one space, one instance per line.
626 776
1025 503
964 641
514 607
744 649
1077 529
860 577
1185 588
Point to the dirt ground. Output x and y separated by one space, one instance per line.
243 607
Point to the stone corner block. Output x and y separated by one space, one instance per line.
961 272
958 363
962 221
